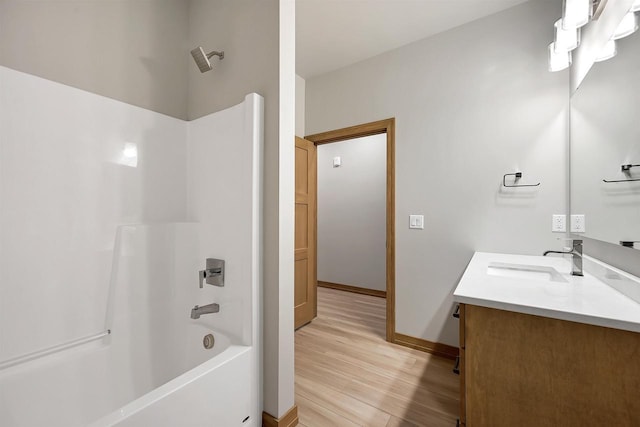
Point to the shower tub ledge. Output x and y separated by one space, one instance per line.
105 383
195 398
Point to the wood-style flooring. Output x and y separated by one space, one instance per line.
348 375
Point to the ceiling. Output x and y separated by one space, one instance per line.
331 34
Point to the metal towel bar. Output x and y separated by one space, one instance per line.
626 169
517 176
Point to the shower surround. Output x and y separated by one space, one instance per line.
107 212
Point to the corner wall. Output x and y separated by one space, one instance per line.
471 105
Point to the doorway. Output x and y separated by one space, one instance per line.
307 221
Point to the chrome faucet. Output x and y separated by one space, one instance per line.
197 311
576 254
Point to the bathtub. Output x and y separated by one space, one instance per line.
108 383
121 349
150 366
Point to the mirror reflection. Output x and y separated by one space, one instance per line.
605 147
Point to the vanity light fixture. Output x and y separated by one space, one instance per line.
558 59
576 13
627 26
609 50
566 40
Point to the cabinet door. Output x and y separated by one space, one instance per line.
524 370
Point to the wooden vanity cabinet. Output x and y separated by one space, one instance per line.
525 370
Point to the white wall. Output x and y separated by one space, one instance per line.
352 212
300 97
132 50
471 104
65 186
283 393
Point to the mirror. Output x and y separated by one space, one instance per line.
605 145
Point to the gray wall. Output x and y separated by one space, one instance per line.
471 104
352 212
134 51
247 31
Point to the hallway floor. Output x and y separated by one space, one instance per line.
348 375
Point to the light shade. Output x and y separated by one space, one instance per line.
608 51
627 26
636 6
558 59
566 39
576 13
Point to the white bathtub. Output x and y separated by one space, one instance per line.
152 369
112 383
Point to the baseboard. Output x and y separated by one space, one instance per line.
290 419
354 289
438 349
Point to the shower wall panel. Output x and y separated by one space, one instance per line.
73 166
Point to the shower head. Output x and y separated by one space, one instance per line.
202 59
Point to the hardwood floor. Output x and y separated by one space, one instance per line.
348 375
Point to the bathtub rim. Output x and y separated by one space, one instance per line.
177 383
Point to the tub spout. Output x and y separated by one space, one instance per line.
197 311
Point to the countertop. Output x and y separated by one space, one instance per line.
581 299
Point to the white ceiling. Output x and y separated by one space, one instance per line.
331 34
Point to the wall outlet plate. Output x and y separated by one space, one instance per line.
416 221
559 223
578 224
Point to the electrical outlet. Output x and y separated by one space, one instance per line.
559 224
578 224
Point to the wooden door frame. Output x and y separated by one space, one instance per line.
374 128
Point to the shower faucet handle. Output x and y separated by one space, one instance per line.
213 274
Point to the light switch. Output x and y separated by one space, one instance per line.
337 162
416 221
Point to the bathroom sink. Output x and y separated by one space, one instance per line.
524 271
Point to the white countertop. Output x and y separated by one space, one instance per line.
581 299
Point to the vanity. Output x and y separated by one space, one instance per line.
540 347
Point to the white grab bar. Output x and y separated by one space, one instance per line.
50 350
